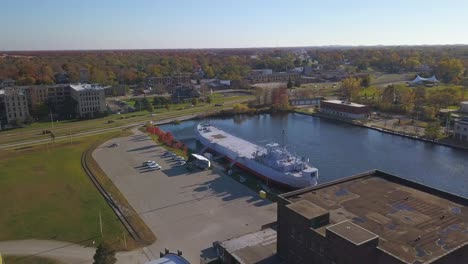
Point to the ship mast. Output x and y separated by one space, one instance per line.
284 134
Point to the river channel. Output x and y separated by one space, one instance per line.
339 149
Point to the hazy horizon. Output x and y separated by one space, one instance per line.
124 25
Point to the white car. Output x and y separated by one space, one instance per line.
154 167
149 163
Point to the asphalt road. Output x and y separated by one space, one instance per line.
90 133
186 210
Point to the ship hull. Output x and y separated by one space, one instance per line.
259 170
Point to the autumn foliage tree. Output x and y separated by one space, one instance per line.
350 87
450 70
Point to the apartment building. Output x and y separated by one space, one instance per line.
167 80
14 105
90 99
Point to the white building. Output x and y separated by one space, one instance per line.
464 107
90 99
15 104
461 129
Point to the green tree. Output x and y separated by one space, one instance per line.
138 105
194 101
104 255
450 70
432 131
290 84
297 83
149 108
366 81
208 99
156 101
350 87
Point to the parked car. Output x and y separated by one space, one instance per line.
154 167
179 158
113 145
149 163
168 154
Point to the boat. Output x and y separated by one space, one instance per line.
273 163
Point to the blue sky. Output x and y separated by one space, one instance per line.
147 24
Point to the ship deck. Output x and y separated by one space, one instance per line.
242 147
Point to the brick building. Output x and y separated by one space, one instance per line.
344 109
372 218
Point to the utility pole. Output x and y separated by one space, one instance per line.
125 240
100 222
52 119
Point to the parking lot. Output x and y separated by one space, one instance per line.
185 210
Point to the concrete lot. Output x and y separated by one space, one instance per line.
186 210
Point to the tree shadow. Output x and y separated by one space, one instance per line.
228 190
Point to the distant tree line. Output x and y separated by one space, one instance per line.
132 67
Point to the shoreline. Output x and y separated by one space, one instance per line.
386 131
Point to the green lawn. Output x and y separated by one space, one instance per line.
65 128
46 195
29 260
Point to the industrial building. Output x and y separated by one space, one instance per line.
370 218
345 109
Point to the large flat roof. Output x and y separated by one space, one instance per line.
344 103
256 247
86 86
414 222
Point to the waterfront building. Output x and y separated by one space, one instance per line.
461 129
370 218
305 101
90 99
464 107
345 109
14 104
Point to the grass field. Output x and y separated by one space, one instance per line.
384 79
46 195
65 128
29 260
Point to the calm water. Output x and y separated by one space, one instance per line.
338 149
